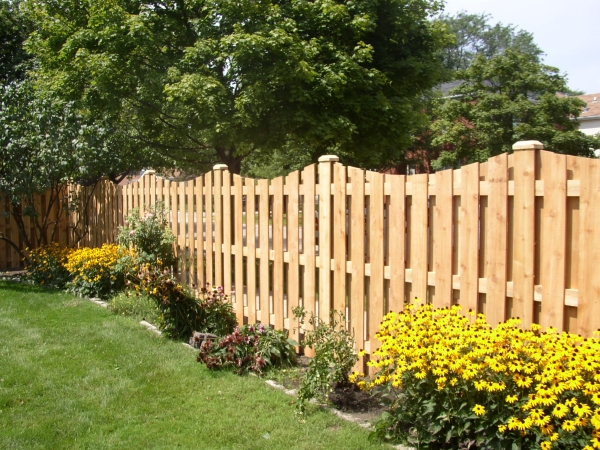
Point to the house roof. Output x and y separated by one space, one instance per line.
592 108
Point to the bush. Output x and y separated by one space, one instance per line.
150 236
457 384
47 265
181 312
249 348
96 272
137 305
333 360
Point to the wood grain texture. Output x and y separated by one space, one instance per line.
208 204
308 244
181 231
325 216
469 237
292 227
419 236
524 236
278 306
588 314
397 240
442 238
339 237
263 222
239 247
200 256
357 256
190 241
218 210
553 235
376 301
495 240
251 244
226 227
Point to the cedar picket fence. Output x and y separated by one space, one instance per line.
515 236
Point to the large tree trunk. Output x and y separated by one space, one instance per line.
227 156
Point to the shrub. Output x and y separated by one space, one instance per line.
47 265
457 384
135 304
149 234
249 348
181 312
96 272
333 360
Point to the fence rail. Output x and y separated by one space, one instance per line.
515 236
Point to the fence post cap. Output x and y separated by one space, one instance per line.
220 167
329 158
528 145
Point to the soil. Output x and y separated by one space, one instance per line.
360 407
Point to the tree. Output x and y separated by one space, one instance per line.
474 35
43 145
14 29
508 98
217 80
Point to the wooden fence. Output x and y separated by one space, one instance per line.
515 236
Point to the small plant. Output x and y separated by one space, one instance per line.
455 382
181 312
47 265
254 348
95 272
135 304
150 235
333 360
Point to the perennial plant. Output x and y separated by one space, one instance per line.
457 382
47 265
96 272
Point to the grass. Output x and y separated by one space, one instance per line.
75 376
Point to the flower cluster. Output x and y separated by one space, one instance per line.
249 348
181 312
96 271
538 388
46 265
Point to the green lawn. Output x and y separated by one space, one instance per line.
75 376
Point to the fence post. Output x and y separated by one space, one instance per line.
524 229
219 217
326 163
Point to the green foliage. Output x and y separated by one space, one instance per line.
137 305
96 272
47 265
474 35
149 235
253 348
181 312
217 80
506 99
453 381
333 360
14 29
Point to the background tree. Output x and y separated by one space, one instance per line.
14 29
217 80
508 98
475 35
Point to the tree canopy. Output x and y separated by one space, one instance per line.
508 98
475 35
217 80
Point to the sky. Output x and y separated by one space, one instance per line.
567 31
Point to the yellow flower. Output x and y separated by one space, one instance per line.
479 410
511 399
